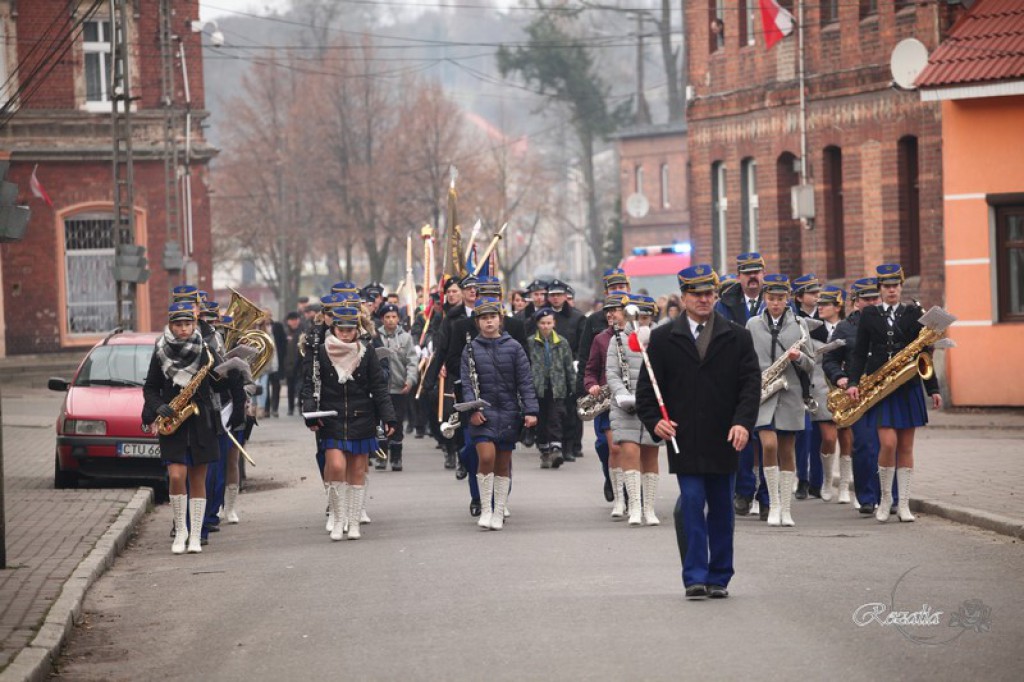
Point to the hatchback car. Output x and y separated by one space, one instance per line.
99 430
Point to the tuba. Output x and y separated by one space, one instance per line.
245 315
913 360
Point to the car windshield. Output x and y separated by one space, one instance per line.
123 365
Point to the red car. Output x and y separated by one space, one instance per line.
99 430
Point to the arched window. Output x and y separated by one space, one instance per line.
748 185
909 205
719 208
638 179
790 231
835 240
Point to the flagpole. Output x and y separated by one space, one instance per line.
803 91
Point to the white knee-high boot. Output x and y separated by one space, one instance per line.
827 464
904 478
356 493
771 479
230 500
486 484
632 481
845 478
619 505
196 512
786 479
501 484
650 493
179 508
885 476
337 498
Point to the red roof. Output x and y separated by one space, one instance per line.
986 44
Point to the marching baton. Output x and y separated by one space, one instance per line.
654 381
241 449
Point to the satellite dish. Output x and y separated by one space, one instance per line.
908 60
637 205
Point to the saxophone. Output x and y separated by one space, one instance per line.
182 404
773 379
589 406
912 360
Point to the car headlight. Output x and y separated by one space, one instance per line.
86 427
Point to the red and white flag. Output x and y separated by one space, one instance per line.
38 191
778 23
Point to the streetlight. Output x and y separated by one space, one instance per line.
216 36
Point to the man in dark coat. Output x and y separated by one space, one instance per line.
569 325
710 380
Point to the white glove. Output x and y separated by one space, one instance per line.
626 401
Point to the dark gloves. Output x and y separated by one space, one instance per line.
312 422
165 411
237 416
308 406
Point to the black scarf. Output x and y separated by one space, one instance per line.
180 359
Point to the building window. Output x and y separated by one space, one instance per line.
909 206
96 36
638 179
1010 262
829 11
90 293
749 11
748 187
664 186
716 25
790 231
719 208
868 8
835 240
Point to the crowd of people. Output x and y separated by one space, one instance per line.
732 376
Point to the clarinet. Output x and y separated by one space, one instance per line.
623 367
316 367
474 380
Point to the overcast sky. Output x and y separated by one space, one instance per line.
211 9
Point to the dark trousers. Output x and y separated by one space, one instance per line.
706 537
216 479
746 479
401 403
294 381
808 464
601 446
274 399
572 426
866 485
471 461
549 422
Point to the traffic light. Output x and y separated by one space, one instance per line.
130 264
13 218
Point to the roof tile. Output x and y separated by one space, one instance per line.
985 45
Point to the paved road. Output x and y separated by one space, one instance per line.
562 593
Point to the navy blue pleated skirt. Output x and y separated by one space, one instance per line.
904 408
363 446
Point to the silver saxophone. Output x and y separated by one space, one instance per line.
588 407
449 427
773 379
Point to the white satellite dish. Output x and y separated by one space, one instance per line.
637 205
908 60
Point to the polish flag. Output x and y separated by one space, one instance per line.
38 191
778 23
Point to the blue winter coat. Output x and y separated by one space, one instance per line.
503 373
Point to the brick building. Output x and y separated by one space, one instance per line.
873 153
652 163
57 288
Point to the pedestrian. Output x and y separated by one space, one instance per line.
808 466
781 340
495 368
826 437
280 337
404 369
345 377
291 366
884 331
638 450
551 365
709 380
180 370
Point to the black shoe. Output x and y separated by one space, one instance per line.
460 472
801 490
419 435
609 495
568 456
762 511
545 460
474 507
396 465
211 528
696 591
203 542
380 464
894 510
449 459
556 458
717 592
814 492
577 454
867 509
741 503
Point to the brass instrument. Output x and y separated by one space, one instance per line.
245 315
912 360
588 407
450 425
182 404
773 379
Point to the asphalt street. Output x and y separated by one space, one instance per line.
562 593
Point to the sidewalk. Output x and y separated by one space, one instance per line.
59 542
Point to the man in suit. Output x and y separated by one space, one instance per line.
710 380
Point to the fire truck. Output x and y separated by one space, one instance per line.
654 268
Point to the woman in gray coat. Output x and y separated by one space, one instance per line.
638 451
777 332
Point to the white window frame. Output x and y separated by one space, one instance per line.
638 179
751 203
105 49
753 12
664 187
720 213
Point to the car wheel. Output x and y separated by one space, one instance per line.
63 479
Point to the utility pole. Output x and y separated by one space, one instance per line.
124 175
172 259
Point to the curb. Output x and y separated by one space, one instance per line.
35 662
971 517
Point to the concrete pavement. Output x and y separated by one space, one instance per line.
59 542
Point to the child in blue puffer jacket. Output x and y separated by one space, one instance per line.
495 369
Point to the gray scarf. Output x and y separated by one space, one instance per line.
180 360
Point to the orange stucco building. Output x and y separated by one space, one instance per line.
981 89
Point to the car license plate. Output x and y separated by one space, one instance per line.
138 450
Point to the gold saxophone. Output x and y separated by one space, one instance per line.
182 404
912 360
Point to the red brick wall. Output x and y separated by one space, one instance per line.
662 225
746 105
